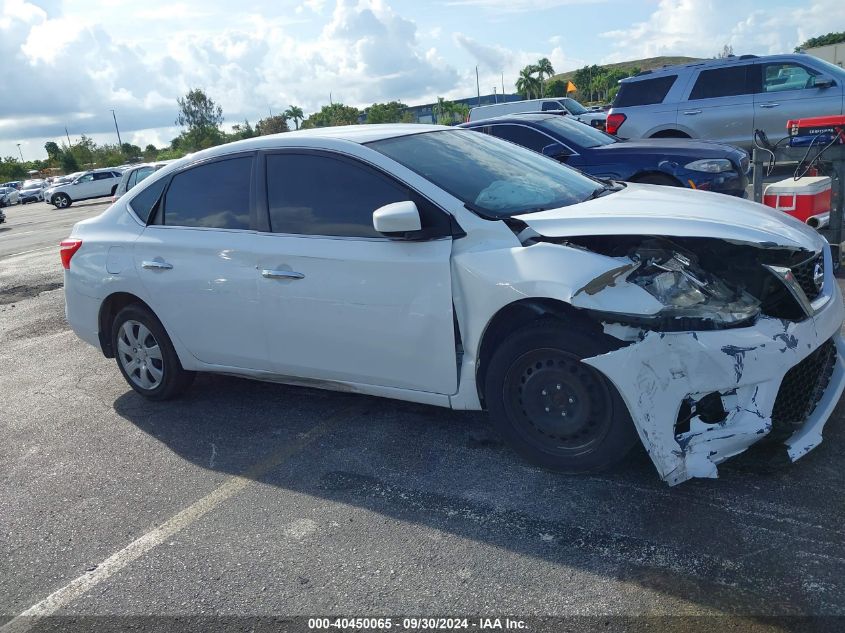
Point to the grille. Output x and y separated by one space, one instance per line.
802 388
804 273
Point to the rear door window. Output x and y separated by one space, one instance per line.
521 135
722 82
137 176
644 91
212 195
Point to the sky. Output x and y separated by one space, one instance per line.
69 63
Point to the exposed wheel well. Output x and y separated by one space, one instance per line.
517 315
111 305
670 134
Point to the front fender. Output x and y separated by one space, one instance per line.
487 281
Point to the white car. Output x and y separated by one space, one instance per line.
451 268
99 183
561 105
9 196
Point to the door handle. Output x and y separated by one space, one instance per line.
156 264
282 274
769 105
692 111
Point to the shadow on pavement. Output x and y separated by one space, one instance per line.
748 543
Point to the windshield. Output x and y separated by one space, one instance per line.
577 133
492 177
573 106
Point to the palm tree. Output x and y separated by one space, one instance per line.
442 111
527 83
295 114
544 71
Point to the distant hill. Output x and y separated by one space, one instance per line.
643 64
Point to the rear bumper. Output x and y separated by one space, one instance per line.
746 367
82 312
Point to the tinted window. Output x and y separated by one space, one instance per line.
521 135
138 175
103 175
144 203
577 133
787 76
311 194
493 178
86 178
573 106
721 82
551 105
643 92
214 195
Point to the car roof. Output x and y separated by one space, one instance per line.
328 137
705 64
531 117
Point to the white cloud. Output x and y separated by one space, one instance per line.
699 28
70 71
518 6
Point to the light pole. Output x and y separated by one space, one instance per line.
119 142
20 152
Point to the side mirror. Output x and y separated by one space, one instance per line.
558 151
397 218
824 81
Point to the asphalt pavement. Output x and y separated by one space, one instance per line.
254 499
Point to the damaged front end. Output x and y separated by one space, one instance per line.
742 342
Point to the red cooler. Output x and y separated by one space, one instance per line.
803 199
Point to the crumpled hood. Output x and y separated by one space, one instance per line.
672 211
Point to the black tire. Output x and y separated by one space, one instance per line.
551 408
658 179
113 189
61 201
670 134
173 379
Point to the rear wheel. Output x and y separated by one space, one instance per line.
61 201
145 355
553 409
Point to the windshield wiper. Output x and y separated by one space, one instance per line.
598 192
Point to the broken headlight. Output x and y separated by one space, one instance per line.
689 292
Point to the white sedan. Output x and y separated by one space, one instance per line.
455 269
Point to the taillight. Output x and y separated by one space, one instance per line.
614 122
67 248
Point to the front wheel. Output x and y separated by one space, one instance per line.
61 201
553 409
146 356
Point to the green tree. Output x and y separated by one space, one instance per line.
272 125
331 115
527 84
544 69
54 152
69 162
131 151
391 112
822 40
295 114
198 111
150 153
727 51
556 88
240 132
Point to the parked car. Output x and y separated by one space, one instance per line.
135 174
452 268
9 196
727 99
99 183
675 162
562 105
32 191
12 184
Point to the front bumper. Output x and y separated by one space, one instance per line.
745 366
